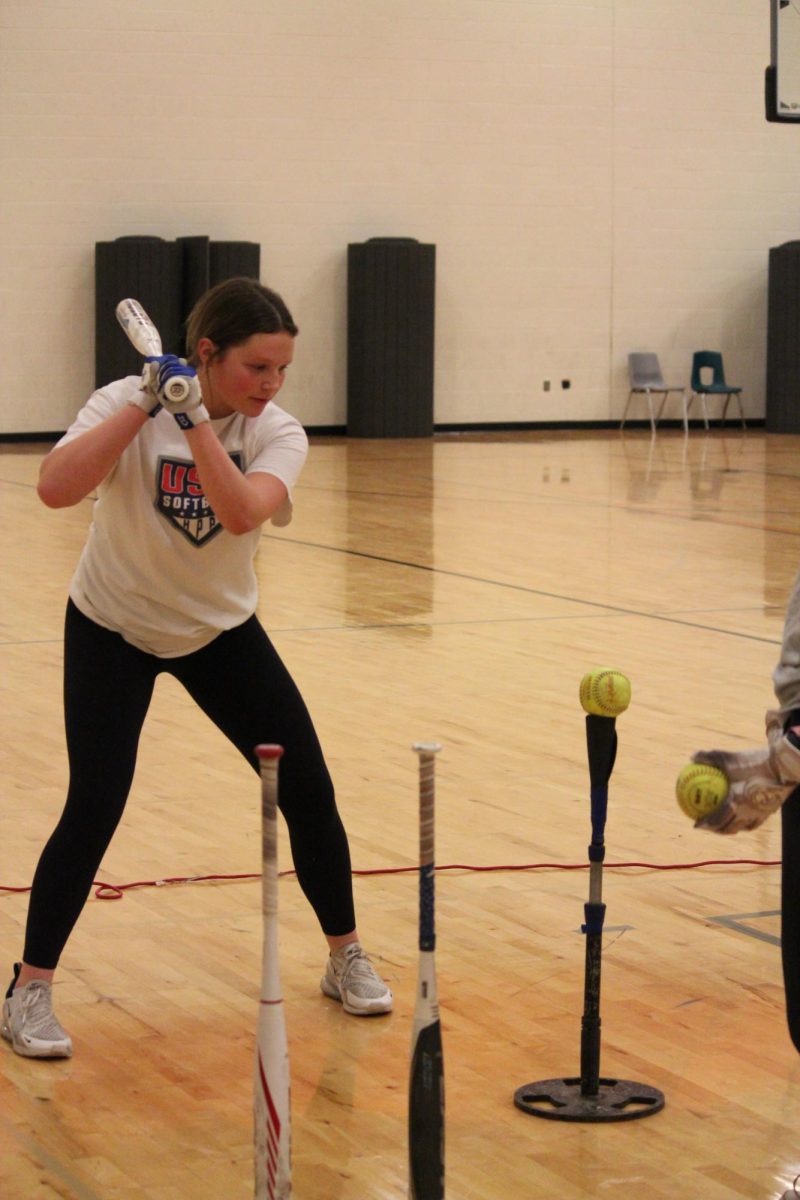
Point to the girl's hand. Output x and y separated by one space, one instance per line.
175 386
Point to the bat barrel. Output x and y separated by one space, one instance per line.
138 328
143 335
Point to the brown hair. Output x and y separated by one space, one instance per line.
232 311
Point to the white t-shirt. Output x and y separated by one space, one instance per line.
157 566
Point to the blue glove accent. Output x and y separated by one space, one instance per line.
175 384
171 366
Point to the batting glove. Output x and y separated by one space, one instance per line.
178 389
147 397
760 780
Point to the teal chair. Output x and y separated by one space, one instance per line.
717 387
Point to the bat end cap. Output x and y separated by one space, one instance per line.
268 750
426 747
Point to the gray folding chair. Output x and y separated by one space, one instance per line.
644 372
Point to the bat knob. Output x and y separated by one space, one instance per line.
177 390
426 747
268 751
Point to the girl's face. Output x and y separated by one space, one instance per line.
246 377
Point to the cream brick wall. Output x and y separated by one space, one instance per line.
597 176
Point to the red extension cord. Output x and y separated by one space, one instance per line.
116 891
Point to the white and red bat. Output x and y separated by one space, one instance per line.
271 1097
143 335
426 1090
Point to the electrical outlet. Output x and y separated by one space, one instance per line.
546 385
566 383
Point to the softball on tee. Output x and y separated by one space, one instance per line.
700 789
605 692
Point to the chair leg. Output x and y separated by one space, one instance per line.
664 398
725 409
627 406
699 396
649 395
741 410
684 402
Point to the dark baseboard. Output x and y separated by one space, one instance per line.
574 426
31 437
472 427
542 426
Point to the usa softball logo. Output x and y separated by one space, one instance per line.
181 500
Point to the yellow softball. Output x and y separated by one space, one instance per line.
605 692
700 789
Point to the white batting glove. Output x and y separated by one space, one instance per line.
178 389
147 397
760 780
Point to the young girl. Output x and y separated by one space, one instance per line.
166 583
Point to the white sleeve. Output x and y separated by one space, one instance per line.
100 405
282 451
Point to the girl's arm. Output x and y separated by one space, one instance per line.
240 502
69 473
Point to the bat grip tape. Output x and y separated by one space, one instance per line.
427 937
599 809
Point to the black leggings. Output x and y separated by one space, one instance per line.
241 684
790 911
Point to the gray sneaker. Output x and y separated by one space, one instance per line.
760 780
30 1024
351 979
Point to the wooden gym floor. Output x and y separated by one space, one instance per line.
455 589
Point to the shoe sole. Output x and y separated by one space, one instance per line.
31 1051
330 989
